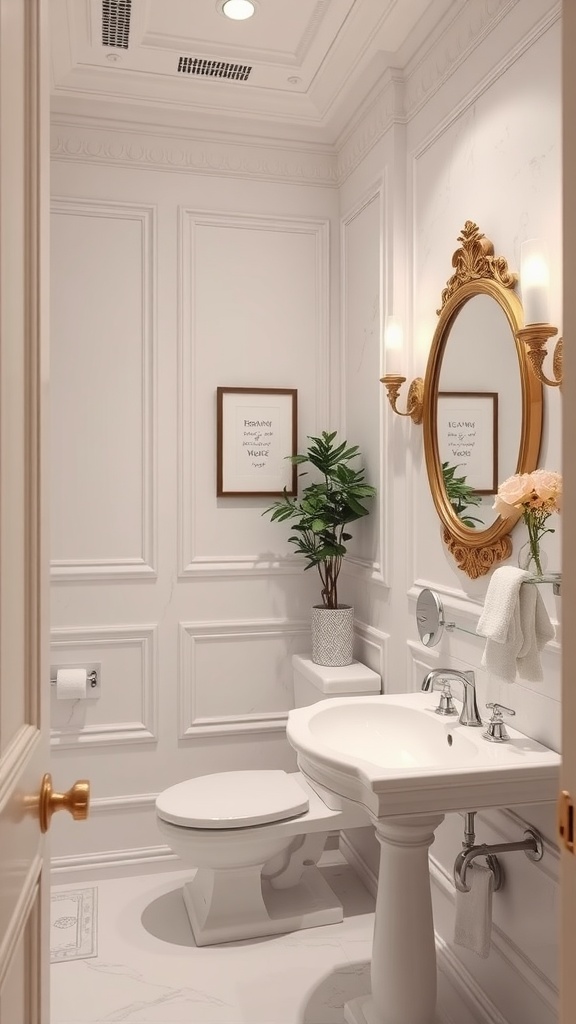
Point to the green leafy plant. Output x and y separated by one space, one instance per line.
460 495
319 516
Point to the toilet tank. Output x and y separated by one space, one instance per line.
318 682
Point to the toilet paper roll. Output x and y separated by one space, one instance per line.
71 683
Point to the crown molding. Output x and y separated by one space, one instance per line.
119 134
104 141
467 30
401 94
376 116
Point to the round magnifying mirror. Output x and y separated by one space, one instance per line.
429 617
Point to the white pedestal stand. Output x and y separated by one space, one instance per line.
403 971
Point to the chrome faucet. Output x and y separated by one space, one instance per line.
469 714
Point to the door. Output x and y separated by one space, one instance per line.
23 560
568 871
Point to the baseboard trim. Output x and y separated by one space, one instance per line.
466 990
359 865
108 863
524 968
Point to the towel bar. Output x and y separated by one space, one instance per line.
531 845
430 611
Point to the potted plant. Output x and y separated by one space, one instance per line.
318 519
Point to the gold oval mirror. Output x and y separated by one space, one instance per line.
482 404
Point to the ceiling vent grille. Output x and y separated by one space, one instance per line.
116 22
213 68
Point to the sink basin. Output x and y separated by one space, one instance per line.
394 754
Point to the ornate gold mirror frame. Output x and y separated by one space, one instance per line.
477 271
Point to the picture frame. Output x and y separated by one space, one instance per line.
256 431
467 426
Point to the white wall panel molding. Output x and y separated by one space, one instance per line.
421 660
192 561
372 648
79 645
136 147
145 564
292 637
367 570
521 970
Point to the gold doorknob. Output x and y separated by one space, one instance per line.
76 800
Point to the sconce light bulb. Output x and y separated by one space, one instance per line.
393 344
535 281
393 338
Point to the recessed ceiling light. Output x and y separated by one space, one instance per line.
238 10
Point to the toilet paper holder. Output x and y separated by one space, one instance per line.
531 845
92 677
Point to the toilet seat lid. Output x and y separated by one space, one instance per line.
232 800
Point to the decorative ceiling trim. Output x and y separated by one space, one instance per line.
467 31
164 40
311 29
398 98
404 94
200 156
383 112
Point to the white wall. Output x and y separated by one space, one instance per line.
481 142
166 284
185 600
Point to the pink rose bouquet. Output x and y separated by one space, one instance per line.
537 495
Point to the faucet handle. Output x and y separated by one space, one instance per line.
496 731
446 705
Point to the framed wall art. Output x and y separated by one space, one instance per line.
257 429
468 436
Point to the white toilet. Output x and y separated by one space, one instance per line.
255 836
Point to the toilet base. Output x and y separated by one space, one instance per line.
262 911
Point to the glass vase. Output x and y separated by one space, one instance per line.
527 559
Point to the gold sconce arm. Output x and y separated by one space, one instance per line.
535 337
415 406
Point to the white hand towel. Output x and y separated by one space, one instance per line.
536 629
500 622
473 927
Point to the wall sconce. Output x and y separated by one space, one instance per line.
393 380
534 278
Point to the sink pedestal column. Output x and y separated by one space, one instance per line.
403 971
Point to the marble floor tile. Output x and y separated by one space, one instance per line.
149 970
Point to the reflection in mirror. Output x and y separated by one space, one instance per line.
479 411
482 409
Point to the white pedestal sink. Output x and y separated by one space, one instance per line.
408 766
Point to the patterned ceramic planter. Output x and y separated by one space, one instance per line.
332 635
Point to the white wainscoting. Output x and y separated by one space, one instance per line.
244 664
104 315
128 682
242 280
362 289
